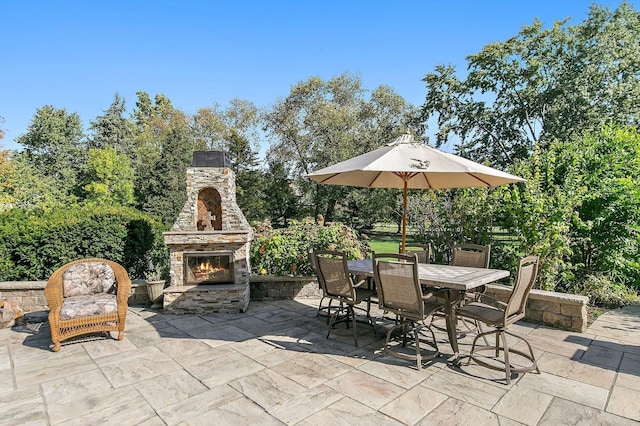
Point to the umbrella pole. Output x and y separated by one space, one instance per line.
404 215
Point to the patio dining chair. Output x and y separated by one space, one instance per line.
323 288
473 256
400 292
422 251
338 284
500 315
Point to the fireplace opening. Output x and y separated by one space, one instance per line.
208 268
209 210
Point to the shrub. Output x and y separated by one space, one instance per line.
604 291
35 243
285 251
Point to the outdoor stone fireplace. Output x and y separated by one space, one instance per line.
209 243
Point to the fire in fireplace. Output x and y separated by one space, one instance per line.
208 268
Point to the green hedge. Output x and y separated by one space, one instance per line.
34 244
285 251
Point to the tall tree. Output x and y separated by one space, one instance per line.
159 128
540 85
54 146
113 129
280 199
324 122
153 121
249 179
110 178
213 127
234 130
163 192
29 188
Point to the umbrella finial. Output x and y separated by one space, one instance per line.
406 138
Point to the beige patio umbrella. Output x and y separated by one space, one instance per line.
406 163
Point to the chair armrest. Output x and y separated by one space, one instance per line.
492 301
53 291
53 294
360 283
124 291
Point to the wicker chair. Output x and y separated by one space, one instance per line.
422 251
500 315
400 292
87 296
338 285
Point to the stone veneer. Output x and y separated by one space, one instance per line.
234 236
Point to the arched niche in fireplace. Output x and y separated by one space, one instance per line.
209 210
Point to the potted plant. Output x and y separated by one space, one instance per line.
155 285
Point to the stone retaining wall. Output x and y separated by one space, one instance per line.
269 287
559 310
29 295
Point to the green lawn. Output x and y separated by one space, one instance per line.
384 244
385 239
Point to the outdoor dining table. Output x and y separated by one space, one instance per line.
457 280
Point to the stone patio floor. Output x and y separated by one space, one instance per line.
273 365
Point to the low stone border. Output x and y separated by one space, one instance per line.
559 310
272 287
29 295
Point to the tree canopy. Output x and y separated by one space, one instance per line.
109 177
324 122
54 145
540 85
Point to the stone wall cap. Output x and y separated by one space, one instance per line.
536 294
22 285
216 232
203 287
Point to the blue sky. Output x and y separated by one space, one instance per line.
77 54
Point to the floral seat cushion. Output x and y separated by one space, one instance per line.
88 305
87 278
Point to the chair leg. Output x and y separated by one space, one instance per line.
319 307
355 328
505 349
349 317
501 334
533 358
373 325
332 319
416 331
404 335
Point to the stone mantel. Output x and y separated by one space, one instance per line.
208 237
